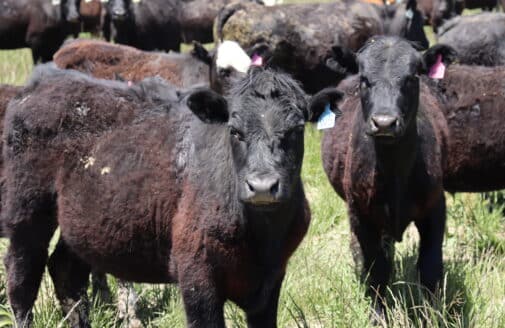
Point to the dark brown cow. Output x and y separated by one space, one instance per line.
92 13
301 36
41 25
145 187
197 18
109 61
472 100
436 12
486 47
7 92
385 157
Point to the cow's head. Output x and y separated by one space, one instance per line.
264 116
70 10
119 10
389 69
405 20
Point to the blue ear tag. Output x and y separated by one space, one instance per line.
327 119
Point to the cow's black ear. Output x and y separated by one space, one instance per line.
210 107
320 101
342 61
200 53
430 57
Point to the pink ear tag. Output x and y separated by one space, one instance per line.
257 60
437 71
130 83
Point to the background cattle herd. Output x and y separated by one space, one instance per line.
165 145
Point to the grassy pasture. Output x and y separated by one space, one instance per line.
321 288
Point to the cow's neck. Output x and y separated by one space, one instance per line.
394 167
268 229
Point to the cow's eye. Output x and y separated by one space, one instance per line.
236 134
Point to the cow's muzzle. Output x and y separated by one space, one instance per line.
262 190
384 126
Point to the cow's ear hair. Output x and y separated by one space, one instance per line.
342 61
320 101
447 53
200 53
263 49
209 106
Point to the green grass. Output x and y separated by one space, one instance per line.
321 288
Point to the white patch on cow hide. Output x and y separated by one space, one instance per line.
105 170
24 100
82 109
55 2
272 2
88 162
231 55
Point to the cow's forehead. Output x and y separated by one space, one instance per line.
270 114
388 58
268 94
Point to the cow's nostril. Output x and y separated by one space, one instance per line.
251 188
275 188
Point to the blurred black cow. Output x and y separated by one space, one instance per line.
301 36
478 39
41 25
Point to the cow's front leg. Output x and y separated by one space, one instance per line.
373 253
431 231
266 317
202 302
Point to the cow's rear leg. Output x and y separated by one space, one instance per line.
30 226
70 277
431 231
127 299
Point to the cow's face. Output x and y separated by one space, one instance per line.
70 10
389 87
264 121
119 10
407 21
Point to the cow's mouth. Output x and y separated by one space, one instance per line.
263 206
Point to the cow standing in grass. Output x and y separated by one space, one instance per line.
385 158
147 189
41 25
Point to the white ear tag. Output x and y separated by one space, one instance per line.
409 14
55 2
104 1
327 119
136 1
